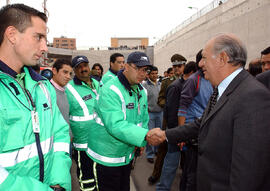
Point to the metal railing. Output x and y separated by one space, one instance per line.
195 16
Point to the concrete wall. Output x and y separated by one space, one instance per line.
248 19
103 56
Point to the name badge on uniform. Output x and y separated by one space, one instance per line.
87 97
130 106
35 121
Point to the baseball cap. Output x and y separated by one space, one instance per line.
78 59
139 59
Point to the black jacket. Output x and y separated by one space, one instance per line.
264 78
173 94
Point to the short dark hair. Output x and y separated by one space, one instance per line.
265 51
255 67
58 64
19 16
151 69
191 66
99 65
169 70
114 56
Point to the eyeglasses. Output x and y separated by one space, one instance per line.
139 69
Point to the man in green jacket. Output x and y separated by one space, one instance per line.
117 62
81 93
121 125
34 138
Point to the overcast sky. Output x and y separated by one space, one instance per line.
94 22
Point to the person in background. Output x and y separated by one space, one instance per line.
255 67
34 139
62 73
194 98
81 92
97 71
155 111
121 125
265 59
117 62
173 96
178 62
264 77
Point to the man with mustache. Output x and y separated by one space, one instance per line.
120 126
81 93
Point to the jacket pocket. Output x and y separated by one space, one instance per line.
11 129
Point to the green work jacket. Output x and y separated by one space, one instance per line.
81 98
108 76
121 123
19 160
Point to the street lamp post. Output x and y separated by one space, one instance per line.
197 10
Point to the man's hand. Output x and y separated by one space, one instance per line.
155 136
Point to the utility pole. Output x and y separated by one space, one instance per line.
45 7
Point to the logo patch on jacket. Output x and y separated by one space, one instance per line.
130 106
46 107
87 97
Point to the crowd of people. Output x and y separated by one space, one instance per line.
209 116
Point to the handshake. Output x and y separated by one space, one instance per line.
155 136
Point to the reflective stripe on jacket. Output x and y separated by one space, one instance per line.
19 161
108 76
81 99
120 125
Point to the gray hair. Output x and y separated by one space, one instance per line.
233 47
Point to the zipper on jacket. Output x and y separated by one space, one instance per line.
35 123
36 130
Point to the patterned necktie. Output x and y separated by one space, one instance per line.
213 99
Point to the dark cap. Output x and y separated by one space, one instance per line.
178 59
139 59
79 59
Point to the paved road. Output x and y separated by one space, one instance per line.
75 183
139 176
143 170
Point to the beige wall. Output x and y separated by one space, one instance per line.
248 19
129 42
103 56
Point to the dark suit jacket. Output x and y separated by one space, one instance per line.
234 139
264 78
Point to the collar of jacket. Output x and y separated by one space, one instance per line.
77 81
6 69
150 83
123 80
112 71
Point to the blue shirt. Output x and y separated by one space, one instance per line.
225 83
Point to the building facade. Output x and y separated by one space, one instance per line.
64 42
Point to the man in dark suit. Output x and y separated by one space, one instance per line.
234 134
